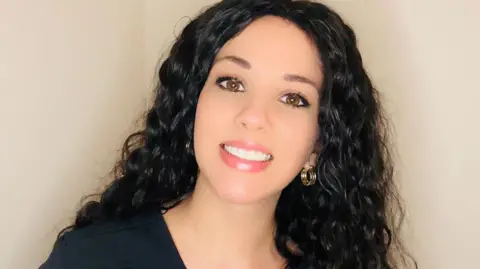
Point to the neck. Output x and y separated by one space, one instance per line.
223 232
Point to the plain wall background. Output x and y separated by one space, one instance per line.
76 75
71 80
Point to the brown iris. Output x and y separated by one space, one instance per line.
233 85
293 100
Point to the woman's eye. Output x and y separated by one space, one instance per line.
294 100
230 84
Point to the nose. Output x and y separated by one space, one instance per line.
253 116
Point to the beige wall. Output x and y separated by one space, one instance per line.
424 56
74 75
70 82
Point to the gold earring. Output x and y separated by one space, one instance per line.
308 176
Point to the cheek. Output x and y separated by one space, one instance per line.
211 119
212 109
296 135
204 115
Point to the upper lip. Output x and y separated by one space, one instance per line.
247 145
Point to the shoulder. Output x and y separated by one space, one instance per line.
135 243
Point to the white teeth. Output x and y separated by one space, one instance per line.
250 155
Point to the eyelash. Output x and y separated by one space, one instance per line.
221 80
303 100
227 79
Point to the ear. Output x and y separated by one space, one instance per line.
312 160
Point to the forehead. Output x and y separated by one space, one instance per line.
277 45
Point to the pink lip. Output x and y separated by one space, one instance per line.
240 164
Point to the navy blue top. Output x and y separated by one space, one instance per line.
143 242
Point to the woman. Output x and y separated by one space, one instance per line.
265 148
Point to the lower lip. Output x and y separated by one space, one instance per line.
241 164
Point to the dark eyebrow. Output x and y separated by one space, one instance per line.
242 62
302 79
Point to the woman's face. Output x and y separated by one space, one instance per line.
256 120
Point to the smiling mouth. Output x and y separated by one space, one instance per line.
248 155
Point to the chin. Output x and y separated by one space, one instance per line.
239 197
242 194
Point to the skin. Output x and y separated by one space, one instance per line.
230 213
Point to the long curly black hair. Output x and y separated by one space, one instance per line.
349 220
